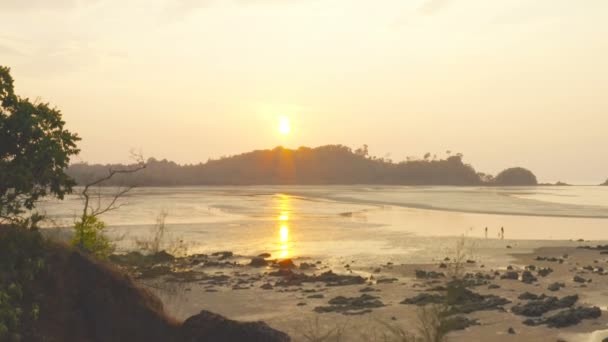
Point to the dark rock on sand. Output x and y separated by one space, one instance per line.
527 277
286 263
511 331
579 279
512 275
422 274
493 286
544 304
567 318
550 259
291 278
210 327
460 300
424 299
555 286
266 286
223 255
386 280
316 296
543 272
264 255
258 262
529 296
351 305
457 323
307 266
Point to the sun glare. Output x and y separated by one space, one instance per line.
284 125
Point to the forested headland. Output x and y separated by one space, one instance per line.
324 165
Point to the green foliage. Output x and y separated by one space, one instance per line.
89 237
21 259
35 150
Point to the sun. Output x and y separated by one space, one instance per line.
284 125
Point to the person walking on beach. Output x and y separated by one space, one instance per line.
502 233
486 232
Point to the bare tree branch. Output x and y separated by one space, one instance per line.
89 210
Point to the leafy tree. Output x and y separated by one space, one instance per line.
35 149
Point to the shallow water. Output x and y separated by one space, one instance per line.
372 224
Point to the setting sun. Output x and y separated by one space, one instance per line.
284 125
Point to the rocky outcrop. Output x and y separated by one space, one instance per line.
210 327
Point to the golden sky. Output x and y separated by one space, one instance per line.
506 82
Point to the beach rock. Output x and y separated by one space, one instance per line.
210 327
351 305
223 255
579 279
422 274
264 255
511 331
555 286
543 272
462 300
567 318
512 275
369 289
386 280
306 266
291 278
424 299
266 286
316 296
443 265
550 259
493 286
529 296
286 263
258 262
458 322
538 307
527 277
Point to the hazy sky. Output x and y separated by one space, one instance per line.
506 82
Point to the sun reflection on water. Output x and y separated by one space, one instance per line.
284 205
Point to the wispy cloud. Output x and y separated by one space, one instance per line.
430 7
34 5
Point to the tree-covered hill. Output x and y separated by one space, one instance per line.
324 165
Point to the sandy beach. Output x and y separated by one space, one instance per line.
278 294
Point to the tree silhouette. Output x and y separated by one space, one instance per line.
35 150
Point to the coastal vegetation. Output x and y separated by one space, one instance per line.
515 176
324 165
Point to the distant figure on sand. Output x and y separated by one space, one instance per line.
486 232
502 233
